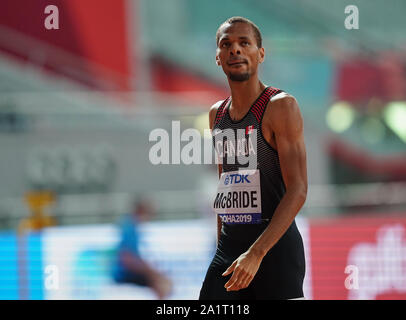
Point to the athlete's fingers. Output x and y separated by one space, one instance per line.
230 268
247 281
244 280
239 283
236 281
233 280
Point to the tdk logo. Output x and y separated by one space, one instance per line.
236 178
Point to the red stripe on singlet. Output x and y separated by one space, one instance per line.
260 105
221 111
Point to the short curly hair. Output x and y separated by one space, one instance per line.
236 19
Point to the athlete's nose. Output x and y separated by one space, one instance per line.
235 49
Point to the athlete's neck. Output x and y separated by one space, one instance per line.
244 94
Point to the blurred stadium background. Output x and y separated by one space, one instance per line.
77 106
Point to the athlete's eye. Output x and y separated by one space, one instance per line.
225 44
245 43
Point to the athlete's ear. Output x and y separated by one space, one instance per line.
261 54
218 60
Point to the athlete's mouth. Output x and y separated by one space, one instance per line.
235 62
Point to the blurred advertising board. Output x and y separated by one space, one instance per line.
359 258
346 258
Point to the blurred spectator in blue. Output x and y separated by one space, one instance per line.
129 266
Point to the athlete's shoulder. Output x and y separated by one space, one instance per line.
282 111
215 106
283 102
213 111
282 97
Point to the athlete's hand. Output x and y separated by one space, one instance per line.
244 268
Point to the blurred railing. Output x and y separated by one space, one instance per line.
322 201
356 195
71 209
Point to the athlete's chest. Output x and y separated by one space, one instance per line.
236 139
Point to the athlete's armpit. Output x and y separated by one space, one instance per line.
213 112
212 117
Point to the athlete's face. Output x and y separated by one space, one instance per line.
237 51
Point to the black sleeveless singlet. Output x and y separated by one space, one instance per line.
282 270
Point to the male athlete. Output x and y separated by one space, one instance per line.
260 252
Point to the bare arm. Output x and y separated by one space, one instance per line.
287 124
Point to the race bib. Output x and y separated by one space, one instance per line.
238 198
